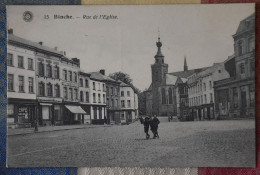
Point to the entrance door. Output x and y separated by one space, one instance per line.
208 112
199 111
243 103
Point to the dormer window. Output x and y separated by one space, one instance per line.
240 48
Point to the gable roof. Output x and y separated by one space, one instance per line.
101 77
186 74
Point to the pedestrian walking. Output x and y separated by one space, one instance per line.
154 126
146 124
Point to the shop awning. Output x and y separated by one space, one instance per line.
46 104
75 109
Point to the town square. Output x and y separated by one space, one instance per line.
106 94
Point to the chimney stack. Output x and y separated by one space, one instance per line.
10 31
41 43
102 71
56 48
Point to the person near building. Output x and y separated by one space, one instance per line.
154 126
146 123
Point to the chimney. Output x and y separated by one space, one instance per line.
41 43
56 48
102 71
10 31
64 53
76 60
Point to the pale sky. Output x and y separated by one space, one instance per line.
201 32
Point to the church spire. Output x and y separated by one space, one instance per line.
185 64
159 45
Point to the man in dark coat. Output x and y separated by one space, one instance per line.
146 124
154 126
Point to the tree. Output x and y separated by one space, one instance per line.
142 103
122 77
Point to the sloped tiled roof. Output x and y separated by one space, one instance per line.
122 84
246 24
210 69
15 39
101 77
171 79
186 74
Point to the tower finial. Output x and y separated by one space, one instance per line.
185 64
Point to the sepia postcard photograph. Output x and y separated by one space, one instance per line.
131 86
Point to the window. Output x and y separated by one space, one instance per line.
201 98
116 104
99 86
112 90
122 93
235 97
170 95
81 82
204 84
65 74
94 86
86 83
10 82
112 103
49 70
252 66
108 102
128 103
30 82
81 96
75 77
116 91
210 85
211 98
242 68
163 96
49 89
104 89
41 89
57 90
104 98
21 83
56 72
70 76
205 98
122 116
87 97
107 90
99 98
10 59
76 94
251 44
70 94
128 93
94 97
20 62
252 95
122 103
65 92
41 69
30 63
240 48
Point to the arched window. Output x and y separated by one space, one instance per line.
41 89
81 96
57 90
163 96
170 95
49 89
41 69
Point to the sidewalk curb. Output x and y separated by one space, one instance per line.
55 130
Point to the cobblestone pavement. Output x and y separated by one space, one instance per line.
181 144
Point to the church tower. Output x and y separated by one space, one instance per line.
159 71
185 64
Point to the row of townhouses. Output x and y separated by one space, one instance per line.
223 90
46 86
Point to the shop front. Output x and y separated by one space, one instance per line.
73 115
21 113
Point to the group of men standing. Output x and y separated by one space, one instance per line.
152 122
